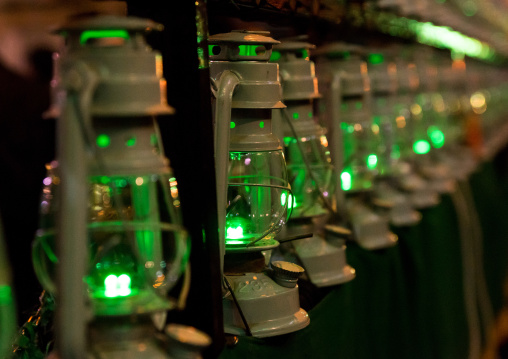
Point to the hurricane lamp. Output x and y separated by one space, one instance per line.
387 193
252 186
343 71
312 176
110 226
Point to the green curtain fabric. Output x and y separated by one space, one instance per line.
406 301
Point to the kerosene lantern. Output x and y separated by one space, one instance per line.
421 192
8 322
252 187
458 101
428 125
489 101
110 200
387 193
312 176
344 82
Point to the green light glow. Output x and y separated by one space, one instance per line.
437 36
213 49
120 182
444 37
130 142
248 50
358 105
261 124
237 227
289 140
232 124
310 114
436 136
376 59
395 152
117 286
421 147
347 127
304 53
235 242
103 141
5 295
275 56
234 232
296 115
346 182
291 203
99 34
372 161
153 139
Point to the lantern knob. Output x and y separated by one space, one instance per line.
186 341
286 274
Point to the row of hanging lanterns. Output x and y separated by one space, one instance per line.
308 156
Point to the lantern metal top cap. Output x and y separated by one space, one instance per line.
329 50
113 22
241 45
243 37
293 45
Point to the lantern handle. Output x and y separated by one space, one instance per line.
79 81
335 131
224 102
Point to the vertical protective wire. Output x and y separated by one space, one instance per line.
483 296
468 274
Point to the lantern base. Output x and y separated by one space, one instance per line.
424 198
268 308
399 206
460 160
421 193
439 177
371 230
325 264
121 338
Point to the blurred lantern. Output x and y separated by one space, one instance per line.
428 135
252 187
111 201
342 71
421 193
312 177
463 107
489 100
8 322
387 194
